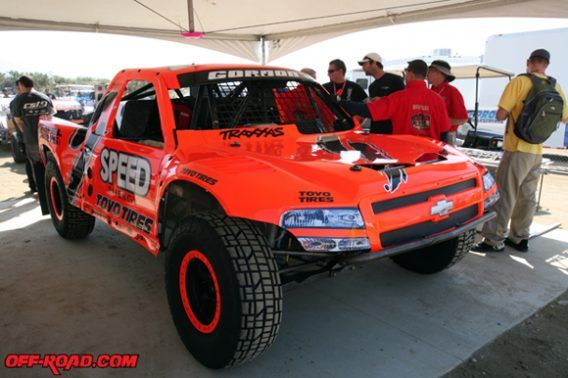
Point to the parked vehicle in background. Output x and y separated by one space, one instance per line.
248 178
68 109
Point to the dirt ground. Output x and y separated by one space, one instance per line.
538 347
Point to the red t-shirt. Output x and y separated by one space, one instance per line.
454 102
415 110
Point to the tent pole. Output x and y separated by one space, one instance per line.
190 16
263 58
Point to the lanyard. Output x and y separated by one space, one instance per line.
339 92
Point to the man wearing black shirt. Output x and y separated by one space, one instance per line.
385 83
28 108
340 87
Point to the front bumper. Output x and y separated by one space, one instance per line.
417 244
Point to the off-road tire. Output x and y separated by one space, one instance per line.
243 277
69 221
438 257
17 154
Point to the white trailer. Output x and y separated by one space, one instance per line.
510 52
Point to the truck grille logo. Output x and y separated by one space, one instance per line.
442 208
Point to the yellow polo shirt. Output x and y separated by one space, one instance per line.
512 101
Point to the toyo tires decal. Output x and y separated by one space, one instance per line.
199 291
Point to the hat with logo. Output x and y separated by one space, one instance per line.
418 66
540 53
371 57
444 68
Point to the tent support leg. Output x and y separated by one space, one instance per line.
190 16
263 47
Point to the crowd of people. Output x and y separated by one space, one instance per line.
424 103
421 103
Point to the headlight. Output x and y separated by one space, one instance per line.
491 200
349 218
488 181
313 244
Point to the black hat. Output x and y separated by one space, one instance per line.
418 66
541 53
444 68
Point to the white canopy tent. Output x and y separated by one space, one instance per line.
259 30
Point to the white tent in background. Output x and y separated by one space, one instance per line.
252 28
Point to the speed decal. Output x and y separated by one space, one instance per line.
131 173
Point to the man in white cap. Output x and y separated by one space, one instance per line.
385 83
439 77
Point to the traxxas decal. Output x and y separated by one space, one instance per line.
395 178
315 197
199 176
258 132
133 173
128 215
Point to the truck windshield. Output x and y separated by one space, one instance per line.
260 101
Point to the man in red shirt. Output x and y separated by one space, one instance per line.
415 110
439 77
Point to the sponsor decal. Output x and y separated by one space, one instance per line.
442 207
50 134
79 167
57 363
125 213
259 132
315 197
395 178
199 176
130 172
239 74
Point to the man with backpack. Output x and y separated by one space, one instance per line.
533 104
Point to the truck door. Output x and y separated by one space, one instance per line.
127 165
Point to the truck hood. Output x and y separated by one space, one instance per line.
260 163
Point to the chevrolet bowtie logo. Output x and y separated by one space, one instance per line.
442 208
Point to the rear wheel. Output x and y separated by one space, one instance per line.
69 221
17 152
438 257
223 289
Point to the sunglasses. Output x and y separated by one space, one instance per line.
331 71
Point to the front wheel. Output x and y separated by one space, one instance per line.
437 257
223 289
69 221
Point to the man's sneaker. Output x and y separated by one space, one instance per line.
484 247
522 246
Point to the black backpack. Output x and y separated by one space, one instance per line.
542 111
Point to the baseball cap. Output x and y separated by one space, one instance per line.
371 57
444 68
418 66
541 53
